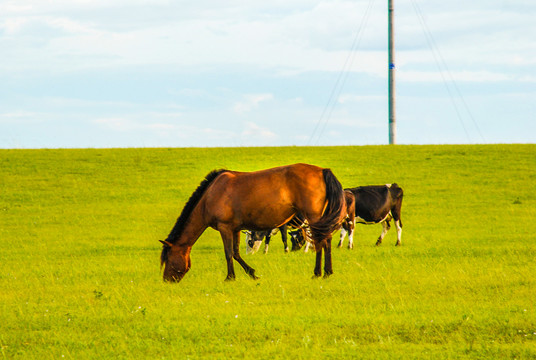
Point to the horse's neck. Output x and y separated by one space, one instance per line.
195 226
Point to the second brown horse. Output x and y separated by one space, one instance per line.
231 201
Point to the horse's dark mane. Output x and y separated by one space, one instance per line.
187 210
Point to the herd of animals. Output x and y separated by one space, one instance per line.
304 200
372 204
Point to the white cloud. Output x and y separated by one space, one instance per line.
117 124
254 134
286 54
251 102
297 37
21 117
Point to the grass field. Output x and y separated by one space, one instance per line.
79 270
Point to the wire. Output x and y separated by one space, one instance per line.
441 62
341 79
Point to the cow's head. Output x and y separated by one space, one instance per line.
297 239
253 241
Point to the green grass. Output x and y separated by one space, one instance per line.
79 270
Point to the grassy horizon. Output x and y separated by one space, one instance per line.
80 275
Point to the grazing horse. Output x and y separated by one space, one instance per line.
375 204
231 201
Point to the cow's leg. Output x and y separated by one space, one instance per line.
343 234
351 237
236 255
398 225
398 221
295 245
386 227
267 242
308 238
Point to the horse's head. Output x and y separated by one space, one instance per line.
176 261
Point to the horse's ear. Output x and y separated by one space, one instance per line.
165 243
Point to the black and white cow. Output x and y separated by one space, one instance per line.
376 204
301 237
255 238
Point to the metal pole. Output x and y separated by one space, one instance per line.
392 112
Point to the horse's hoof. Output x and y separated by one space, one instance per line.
252 275
230 278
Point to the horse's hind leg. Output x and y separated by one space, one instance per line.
328 266
318 263
236 255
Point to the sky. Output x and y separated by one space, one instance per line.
210 73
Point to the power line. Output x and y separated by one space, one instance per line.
341 79
437 54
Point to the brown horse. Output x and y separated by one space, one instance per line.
230 201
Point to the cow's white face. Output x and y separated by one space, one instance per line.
252 246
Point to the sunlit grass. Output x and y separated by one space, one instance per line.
80 260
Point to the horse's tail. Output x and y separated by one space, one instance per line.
333 214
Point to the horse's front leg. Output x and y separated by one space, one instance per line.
283 231
227 238
236 255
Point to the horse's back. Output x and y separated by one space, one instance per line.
282 180
268 198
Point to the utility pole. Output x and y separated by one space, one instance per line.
392 112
